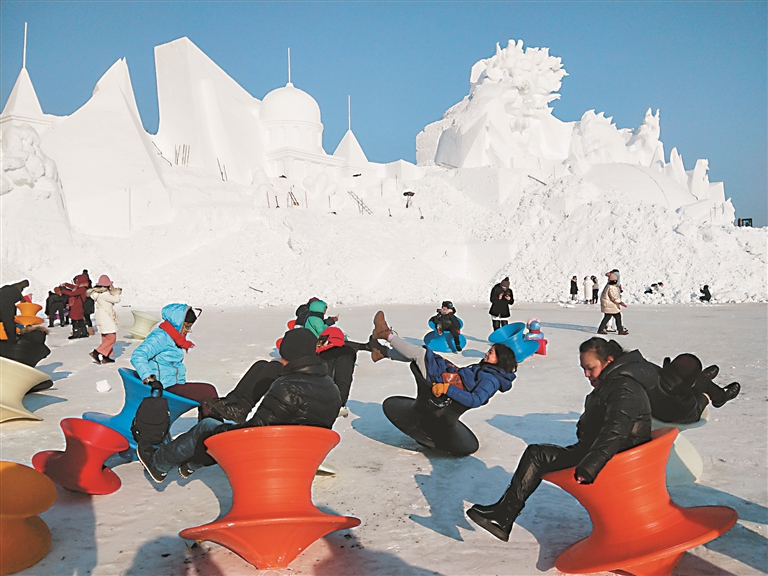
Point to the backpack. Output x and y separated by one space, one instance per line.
153 419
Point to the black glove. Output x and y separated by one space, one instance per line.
152 381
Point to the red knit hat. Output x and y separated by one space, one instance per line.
331 337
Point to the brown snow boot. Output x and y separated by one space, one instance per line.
381 329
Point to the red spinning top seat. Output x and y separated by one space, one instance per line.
636 527
80 467
271 468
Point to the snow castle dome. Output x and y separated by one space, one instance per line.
291 119
289 104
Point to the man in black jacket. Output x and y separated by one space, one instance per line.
28 345
617 416
303 394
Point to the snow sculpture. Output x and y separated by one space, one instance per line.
24 163
505 123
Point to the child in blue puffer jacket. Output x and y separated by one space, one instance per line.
478 381
160 357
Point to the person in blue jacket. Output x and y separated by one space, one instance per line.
479 382
160 357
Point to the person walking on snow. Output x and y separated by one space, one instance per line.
501 299
478 382
610 302
56 303
105 295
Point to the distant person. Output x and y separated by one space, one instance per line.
446 321
89 306
478 382
105 295
595 290
160 357
303 394
587 286
705 295
655 288
22 344
56 303
610 306
501 299
76 294
617 417
574 289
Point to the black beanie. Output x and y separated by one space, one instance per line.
686 366
190 317
298 343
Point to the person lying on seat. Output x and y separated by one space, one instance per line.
474 385
303 394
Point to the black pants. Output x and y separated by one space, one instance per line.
60 310
78 329
256 381
498 324
29 348
537 460
452 328
607 317
595 295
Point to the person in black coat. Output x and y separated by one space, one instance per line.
303 394
617 416
574 288
28 344
705 294
501 299
682 389
445 321
56 303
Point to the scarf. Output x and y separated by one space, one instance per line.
180 340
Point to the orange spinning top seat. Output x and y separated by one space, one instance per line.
81 466
271 468
24 536
636 527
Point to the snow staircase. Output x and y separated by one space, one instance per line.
360 204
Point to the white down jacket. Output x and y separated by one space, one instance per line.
106 317
610 299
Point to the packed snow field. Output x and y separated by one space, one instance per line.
243 255
411 500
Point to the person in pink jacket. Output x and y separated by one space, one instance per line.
105 295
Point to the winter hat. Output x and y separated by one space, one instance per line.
534 324
318 306
21 285
505 282
331 337
448 304
104 281
189 318
298 343
612 277
687 367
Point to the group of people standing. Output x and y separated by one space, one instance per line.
590 286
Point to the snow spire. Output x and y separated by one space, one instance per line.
24 51
289 67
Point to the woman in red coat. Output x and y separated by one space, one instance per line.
76 292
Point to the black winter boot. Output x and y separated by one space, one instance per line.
497 518
729 393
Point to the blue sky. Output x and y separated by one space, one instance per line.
704 64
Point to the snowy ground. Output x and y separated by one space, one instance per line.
411 501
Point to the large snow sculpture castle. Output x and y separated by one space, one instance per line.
506 123
209 128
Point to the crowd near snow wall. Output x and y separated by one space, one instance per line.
235 202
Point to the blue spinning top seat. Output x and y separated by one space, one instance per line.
511 335
135 392
443 342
